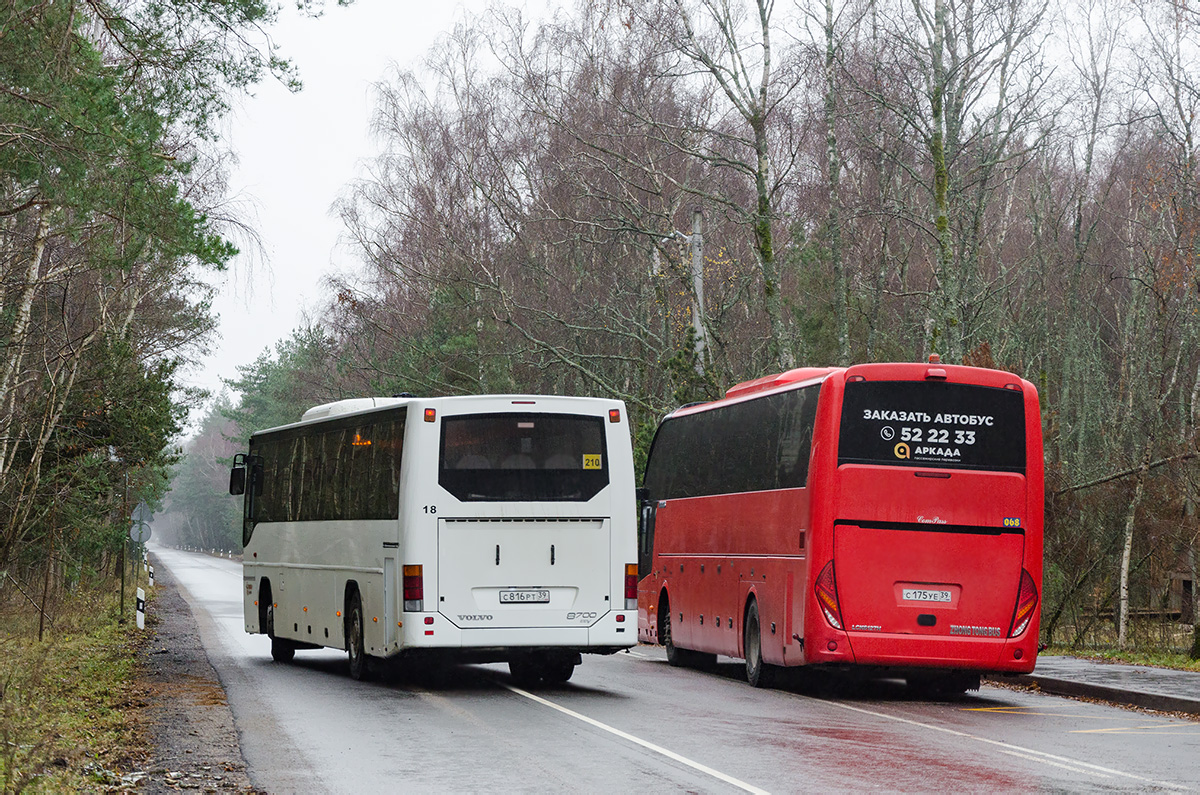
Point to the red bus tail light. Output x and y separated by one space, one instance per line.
1027 600
631 572
414 589
826 590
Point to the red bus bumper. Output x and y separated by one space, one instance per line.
1011 655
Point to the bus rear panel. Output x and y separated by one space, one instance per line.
932 535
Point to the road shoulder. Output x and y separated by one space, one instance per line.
189 722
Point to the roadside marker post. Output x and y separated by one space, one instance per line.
141 609
151 572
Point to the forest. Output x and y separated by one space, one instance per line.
114 219
654 201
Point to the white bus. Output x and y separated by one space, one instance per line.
484 529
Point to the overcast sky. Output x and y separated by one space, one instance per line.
297 152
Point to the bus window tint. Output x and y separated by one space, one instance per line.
755 445
350 470
932 424
520 457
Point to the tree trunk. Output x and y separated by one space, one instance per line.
944 335
1139 488
841 309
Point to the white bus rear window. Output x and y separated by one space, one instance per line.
523 457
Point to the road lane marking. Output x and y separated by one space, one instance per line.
1143 729
658 749
1153 728
1031 754
1042 713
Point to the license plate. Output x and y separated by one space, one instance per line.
538 597
922 595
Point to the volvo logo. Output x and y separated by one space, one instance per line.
475 618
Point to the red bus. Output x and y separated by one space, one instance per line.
882 517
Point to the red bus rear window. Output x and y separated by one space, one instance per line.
932 424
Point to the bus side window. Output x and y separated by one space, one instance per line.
798 416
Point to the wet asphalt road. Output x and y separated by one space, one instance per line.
629 722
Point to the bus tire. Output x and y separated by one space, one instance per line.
558 671
282 650
527 670
757 672
266 610
942 685
355 647
675 655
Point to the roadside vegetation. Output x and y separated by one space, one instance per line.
114 219
69 703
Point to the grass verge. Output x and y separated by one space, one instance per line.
1156 659
68 704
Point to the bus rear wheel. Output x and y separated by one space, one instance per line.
526 670
943 685
558 670
757 672
359 669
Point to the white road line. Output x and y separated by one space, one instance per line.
638 741
1073 765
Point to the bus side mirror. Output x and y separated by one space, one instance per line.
642 494
237 475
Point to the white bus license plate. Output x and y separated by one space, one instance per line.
539 597
922 595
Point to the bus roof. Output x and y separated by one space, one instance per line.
351 406
778 379
903 371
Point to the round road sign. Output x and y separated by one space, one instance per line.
139 533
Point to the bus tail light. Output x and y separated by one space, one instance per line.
1027 600
414 589
826 589
631 572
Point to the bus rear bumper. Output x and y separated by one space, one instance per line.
613 631
999 655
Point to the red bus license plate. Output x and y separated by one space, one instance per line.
922 595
